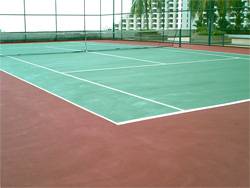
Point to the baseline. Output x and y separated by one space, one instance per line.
183 112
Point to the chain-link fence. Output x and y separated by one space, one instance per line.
207 22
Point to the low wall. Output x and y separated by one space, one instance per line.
243 40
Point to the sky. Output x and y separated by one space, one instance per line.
15 23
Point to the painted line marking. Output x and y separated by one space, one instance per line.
126 57
132 120
182 112
171 49
157 63
149 65
183 49
98 84
203 53
114 68
110 55
81 107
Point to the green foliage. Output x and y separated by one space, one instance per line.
145 33
204 31
223 24
203 9
217 12
237 8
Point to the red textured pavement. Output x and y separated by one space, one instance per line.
46 142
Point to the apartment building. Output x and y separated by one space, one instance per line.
170 18
174 15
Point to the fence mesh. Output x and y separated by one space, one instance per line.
207 22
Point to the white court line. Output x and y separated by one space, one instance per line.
126 57
115 68
110 55
182 112
148 65
133 120
98 84
203 53
158 63
162 115
81 107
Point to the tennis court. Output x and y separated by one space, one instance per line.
124 93
134 83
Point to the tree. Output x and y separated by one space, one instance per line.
144 7
248 20
223 23
237 8
204 10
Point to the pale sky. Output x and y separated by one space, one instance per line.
68 23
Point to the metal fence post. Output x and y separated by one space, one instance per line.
84 20
121 19
180 37
190 26
100 14
209 22
223 39
56 18
24 18
113 26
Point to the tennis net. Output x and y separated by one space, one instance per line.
60 43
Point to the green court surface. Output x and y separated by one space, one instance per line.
129 85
